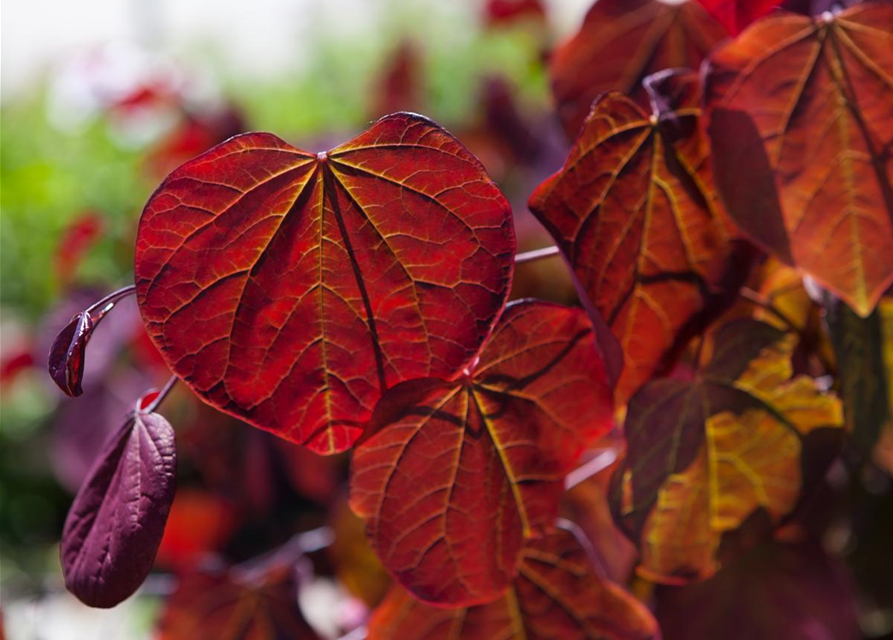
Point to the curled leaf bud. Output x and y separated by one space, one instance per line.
66 360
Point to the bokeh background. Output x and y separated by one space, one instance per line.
100 100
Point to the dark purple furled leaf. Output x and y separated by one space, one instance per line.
66 361
117 519
118 330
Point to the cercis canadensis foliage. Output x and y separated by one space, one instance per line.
357 299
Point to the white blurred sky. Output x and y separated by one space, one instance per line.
255 36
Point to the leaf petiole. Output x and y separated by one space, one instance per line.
536 254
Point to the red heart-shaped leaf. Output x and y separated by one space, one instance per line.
557 594
291 289
459 473
117 519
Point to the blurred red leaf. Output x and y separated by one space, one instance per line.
12 365
114 526
502 12
400 86
220 604
199 524
619 44
196 134
704 455
77 237
735 15
784 591
291 290
458 474
634 211
557 594
803 108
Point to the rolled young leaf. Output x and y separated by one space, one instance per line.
66 360
117 519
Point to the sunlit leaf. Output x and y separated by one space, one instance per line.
557 594
459 473
214 605
705 454
800 116
117 519
619 44
634 211
291 289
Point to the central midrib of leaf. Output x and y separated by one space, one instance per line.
506 466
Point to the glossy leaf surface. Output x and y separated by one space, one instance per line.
557 594
735 15
619 44
634 211
803 107
459 473
68 353
117 519
218 604
703 455
291 289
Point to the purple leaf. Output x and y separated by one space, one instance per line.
66 361
117 519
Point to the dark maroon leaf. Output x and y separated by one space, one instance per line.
117 519
66 362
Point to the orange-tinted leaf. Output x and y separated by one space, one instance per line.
735 15
801 121
703 455
215 605
459 473
634 211
557 594
619 44
291 289
784 591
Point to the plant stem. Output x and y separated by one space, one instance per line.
596 464
165 390
536 254
98 309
